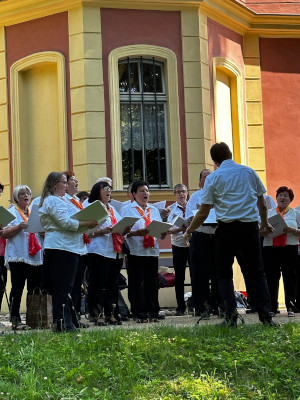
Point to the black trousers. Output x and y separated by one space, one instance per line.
76 292
181 256
3 279
102 276
63 267
277 261
143 284
203 272
21 272
241 238
298 286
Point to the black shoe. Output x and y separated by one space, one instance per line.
160 316
269 322
179 313
231 320
204 316
58 327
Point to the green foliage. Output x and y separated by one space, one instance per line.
159 363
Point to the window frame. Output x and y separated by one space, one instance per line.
149 98
173 139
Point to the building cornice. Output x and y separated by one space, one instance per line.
230 12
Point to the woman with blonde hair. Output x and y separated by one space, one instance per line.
63 246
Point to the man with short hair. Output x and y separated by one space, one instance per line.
237 195
180 248
204 286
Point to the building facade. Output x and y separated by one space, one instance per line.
142 89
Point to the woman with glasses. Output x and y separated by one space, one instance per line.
280 253
105 260
143 257
63 247
23 254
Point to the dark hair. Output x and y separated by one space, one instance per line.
205 169
285 189
95 192
1 187
82 194
69 174
220 152
137 184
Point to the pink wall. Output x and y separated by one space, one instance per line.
43 34
274 6
159 28
223 42
280 75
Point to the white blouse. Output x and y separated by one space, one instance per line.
17 247
136 242
61 231
103 245
292 219
73 209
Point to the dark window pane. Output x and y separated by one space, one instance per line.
123 78
148 78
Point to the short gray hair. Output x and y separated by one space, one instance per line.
105 179
17 190
178 186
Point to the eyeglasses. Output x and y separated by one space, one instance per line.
181 191
107 188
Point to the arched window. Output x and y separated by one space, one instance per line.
143 122
228 108
144 116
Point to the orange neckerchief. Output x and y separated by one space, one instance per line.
76 203
116 237
280 241
33 244
148 240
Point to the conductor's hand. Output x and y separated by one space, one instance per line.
266 229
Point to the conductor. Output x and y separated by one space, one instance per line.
237 195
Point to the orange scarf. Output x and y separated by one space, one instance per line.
280 241
116 237
76 203
33 244
148 240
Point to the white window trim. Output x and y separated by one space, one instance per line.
231 67
173 124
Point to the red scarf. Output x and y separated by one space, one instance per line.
76 203
116 237
280 241
33 244
148 240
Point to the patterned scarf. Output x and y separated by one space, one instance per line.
116 237
33 244
76 203
148 240
280 241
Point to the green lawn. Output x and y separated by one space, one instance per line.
208 362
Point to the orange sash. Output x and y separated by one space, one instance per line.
280 241
76 203
33 244
148 240
116 237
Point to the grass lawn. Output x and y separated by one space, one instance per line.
155 363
